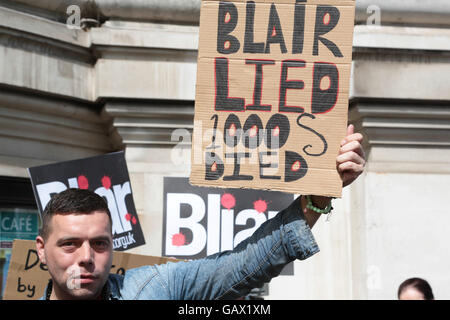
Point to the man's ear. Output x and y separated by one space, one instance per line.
40 246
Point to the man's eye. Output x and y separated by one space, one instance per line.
101 244
68 244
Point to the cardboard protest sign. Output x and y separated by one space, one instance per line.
202 221
106 175
272 94
27 277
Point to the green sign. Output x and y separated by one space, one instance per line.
18 225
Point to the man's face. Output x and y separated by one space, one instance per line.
78 253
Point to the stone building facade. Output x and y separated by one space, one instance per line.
81 78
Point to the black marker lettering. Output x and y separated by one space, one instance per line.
274 31
232 131
223 101
277 131
32 289
237 166
295 168
322 28
120 271
21 287
213 146
32 254
227 21
325 144
253 132
324 100
249 45
267 165
257 92
299 28
286 84
213 166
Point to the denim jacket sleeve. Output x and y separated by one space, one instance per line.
232 274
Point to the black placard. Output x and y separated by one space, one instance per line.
202 221
107 175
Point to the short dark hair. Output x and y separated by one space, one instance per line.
72 201
419 284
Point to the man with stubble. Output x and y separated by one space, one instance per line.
75 242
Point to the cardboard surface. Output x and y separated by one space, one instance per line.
27 277
272 94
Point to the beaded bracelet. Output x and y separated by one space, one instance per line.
310 206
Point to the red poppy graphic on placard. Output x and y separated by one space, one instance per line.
296 166
83 182
130 217
276 131
178 239
228 201
106 182
260 206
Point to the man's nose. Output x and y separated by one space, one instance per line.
86 257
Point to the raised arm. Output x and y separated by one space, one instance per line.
256 260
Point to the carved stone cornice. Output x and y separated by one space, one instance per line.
400 12
148 123
49 129
402 124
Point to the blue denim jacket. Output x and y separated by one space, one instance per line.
225 275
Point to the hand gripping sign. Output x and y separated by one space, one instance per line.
272 94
